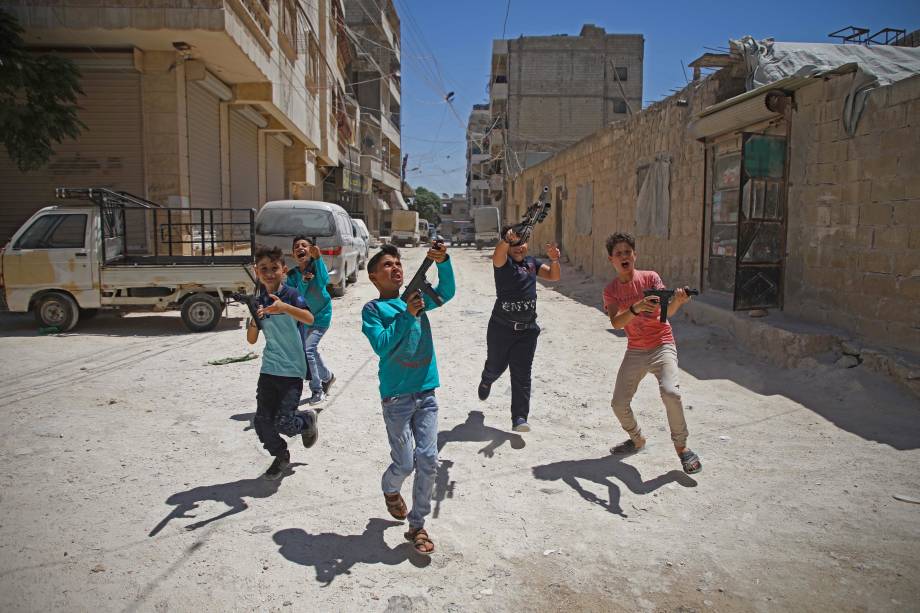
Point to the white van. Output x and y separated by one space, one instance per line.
365 242
280 221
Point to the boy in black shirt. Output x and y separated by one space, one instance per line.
513 330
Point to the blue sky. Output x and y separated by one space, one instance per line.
447 47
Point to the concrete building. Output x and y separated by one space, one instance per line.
547 92
478 158
376 82
204 103
773 198
455 208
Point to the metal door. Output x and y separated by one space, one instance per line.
761 223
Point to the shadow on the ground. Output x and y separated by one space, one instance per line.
472 430
599 471
244 417
111 324
864 403
332 554
231 494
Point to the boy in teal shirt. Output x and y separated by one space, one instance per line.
310 279
281 312
400 334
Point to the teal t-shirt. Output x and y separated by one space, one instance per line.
283 355
314 292
403 342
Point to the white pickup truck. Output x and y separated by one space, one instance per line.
110 250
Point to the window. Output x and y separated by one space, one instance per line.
621 73
619 105
55 232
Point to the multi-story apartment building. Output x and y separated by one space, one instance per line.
478 158
548 92
376 82
455 208
205 103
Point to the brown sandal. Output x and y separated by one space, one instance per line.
420 541
396 505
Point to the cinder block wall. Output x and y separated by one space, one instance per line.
610 158
854 212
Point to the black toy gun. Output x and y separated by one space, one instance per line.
664 297
535 214
251 300
420 284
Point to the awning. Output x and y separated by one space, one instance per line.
397 201
382 206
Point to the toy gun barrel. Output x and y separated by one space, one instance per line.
420 284
251 303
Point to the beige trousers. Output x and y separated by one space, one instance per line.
661 362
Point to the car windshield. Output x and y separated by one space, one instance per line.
294 222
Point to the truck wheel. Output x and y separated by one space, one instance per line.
201 312
57 309
337 291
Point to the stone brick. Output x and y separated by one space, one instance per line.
884 165
906 213
909 287
875 261
878 284
914 238
875 215
896 141
891 238
849 170
912 184
829 131
857 192
845 215
886 191
864 147
904 91
907 263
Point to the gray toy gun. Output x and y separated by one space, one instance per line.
535 214
420 284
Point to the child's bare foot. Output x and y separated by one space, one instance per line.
628 446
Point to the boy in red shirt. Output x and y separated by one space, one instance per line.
650 347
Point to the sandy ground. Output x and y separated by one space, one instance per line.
130 477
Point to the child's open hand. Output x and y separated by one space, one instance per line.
275 307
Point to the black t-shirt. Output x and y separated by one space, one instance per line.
516 290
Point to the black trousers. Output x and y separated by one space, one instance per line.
277 399
511 349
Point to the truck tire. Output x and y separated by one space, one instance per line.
337 291
201 312
57 309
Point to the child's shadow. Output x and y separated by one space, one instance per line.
334 554
472 430
246 417
599 471
231 494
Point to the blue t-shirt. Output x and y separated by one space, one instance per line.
283 355
403 342
516 290
314 292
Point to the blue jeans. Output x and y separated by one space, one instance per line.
318 370
412 428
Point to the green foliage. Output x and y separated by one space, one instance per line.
428 205
38 99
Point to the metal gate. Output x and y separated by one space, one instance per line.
761 223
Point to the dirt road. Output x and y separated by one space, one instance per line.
130 477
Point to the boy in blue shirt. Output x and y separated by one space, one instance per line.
281 312
400 334
310 279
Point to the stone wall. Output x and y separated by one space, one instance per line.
610 160
854 212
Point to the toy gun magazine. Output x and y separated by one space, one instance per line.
535 214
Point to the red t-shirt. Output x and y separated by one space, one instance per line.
646 330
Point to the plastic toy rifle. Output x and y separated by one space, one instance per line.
251 300
664 297
420 284
535 214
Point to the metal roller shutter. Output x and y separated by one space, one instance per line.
244 163
274 169
108 153
203 147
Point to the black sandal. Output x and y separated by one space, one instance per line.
691 462
627 447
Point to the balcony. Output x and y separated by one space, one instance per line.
371 167
476 184
497 183
497 140
390 132
499 91
480 158
391 179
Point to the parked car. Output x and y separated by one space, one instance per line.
365 237
465 235
280 221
